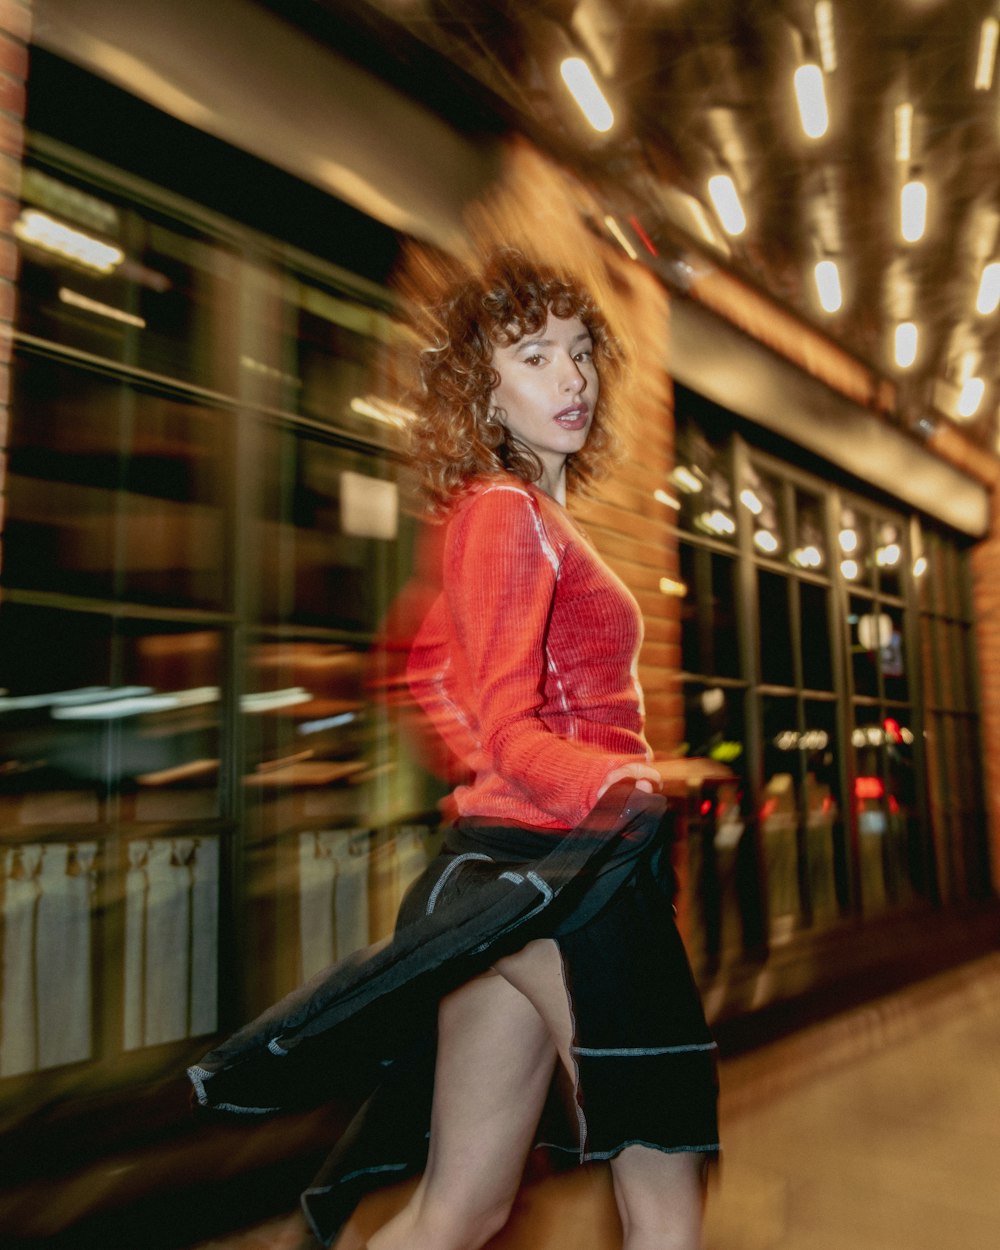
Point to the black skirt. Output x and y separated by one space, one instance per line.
363 1033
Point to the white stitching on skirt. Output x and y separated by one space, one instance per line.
440 884
626 1051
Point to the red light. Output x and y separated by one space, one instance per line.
892 729
644 238
769 808
706 806
868 788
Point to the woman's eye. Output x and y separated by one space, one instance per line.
586 354
533 360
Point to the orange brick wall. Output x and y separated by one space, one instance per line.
986 603
15 31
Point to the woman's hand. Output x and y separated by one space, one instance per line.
645 776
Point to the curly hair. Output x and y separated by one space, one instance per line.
452 439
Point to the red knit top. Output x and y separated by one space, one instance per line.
526 662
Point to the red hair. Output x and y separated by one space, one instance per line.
452 439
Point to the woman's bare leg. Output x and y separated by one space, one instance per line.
494 1066
660 1198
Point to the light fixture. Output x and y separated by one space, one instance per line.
717 522
913 211
664 497
989 290
686 480
824 29
919 566
986 60
807 557
582 85
971 397
906 344
76 300
850 570
765 541
848 539
749 499
888 557
811 98
903 117
673 588
727 204
54 236
828 285
625 245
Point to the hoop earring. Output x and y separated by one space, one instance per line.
493 416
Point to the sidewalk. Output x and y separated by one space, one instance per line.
878 1130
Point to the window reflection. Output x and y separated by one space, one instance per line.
112 489
48 892
777 655
779 813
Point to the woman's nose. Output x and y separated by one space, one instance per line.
572 379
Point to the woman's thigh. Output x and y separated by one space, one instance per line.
494 1066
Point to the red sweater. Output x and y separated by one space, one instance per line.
526 661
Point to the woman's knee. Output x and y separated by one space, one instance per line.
659 1194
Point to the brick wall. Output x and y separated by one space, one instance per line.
986 604
15 31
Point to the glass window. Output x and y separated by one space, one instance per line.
814 628
709 625
779 812
870 631
890 557
327 527
703 481
777 657
763 498
870 806
113 491
809 549
819 746
854 547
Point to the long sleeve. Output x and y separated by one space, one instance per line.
501 571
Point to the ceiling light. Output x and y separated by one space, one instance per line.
765 541
616 230
670 586
686 480
578 77
919 566
989 290
987 53
913 211
727 204
76 300
55 236
824 29
850 569
971 397
811 99
808 557
828 286
848 539
749 499
904 132
906 344
889 556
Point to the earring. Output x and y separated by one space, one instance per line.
493 416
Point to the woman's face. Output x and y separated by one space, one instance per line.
548 391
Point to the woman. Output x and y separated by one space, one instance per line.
543 937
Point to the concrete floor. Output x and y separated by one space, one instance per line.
877 1130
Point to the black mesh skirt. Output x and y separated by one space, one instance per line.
363 1033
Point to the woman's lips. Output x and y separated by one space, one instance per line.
573 418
